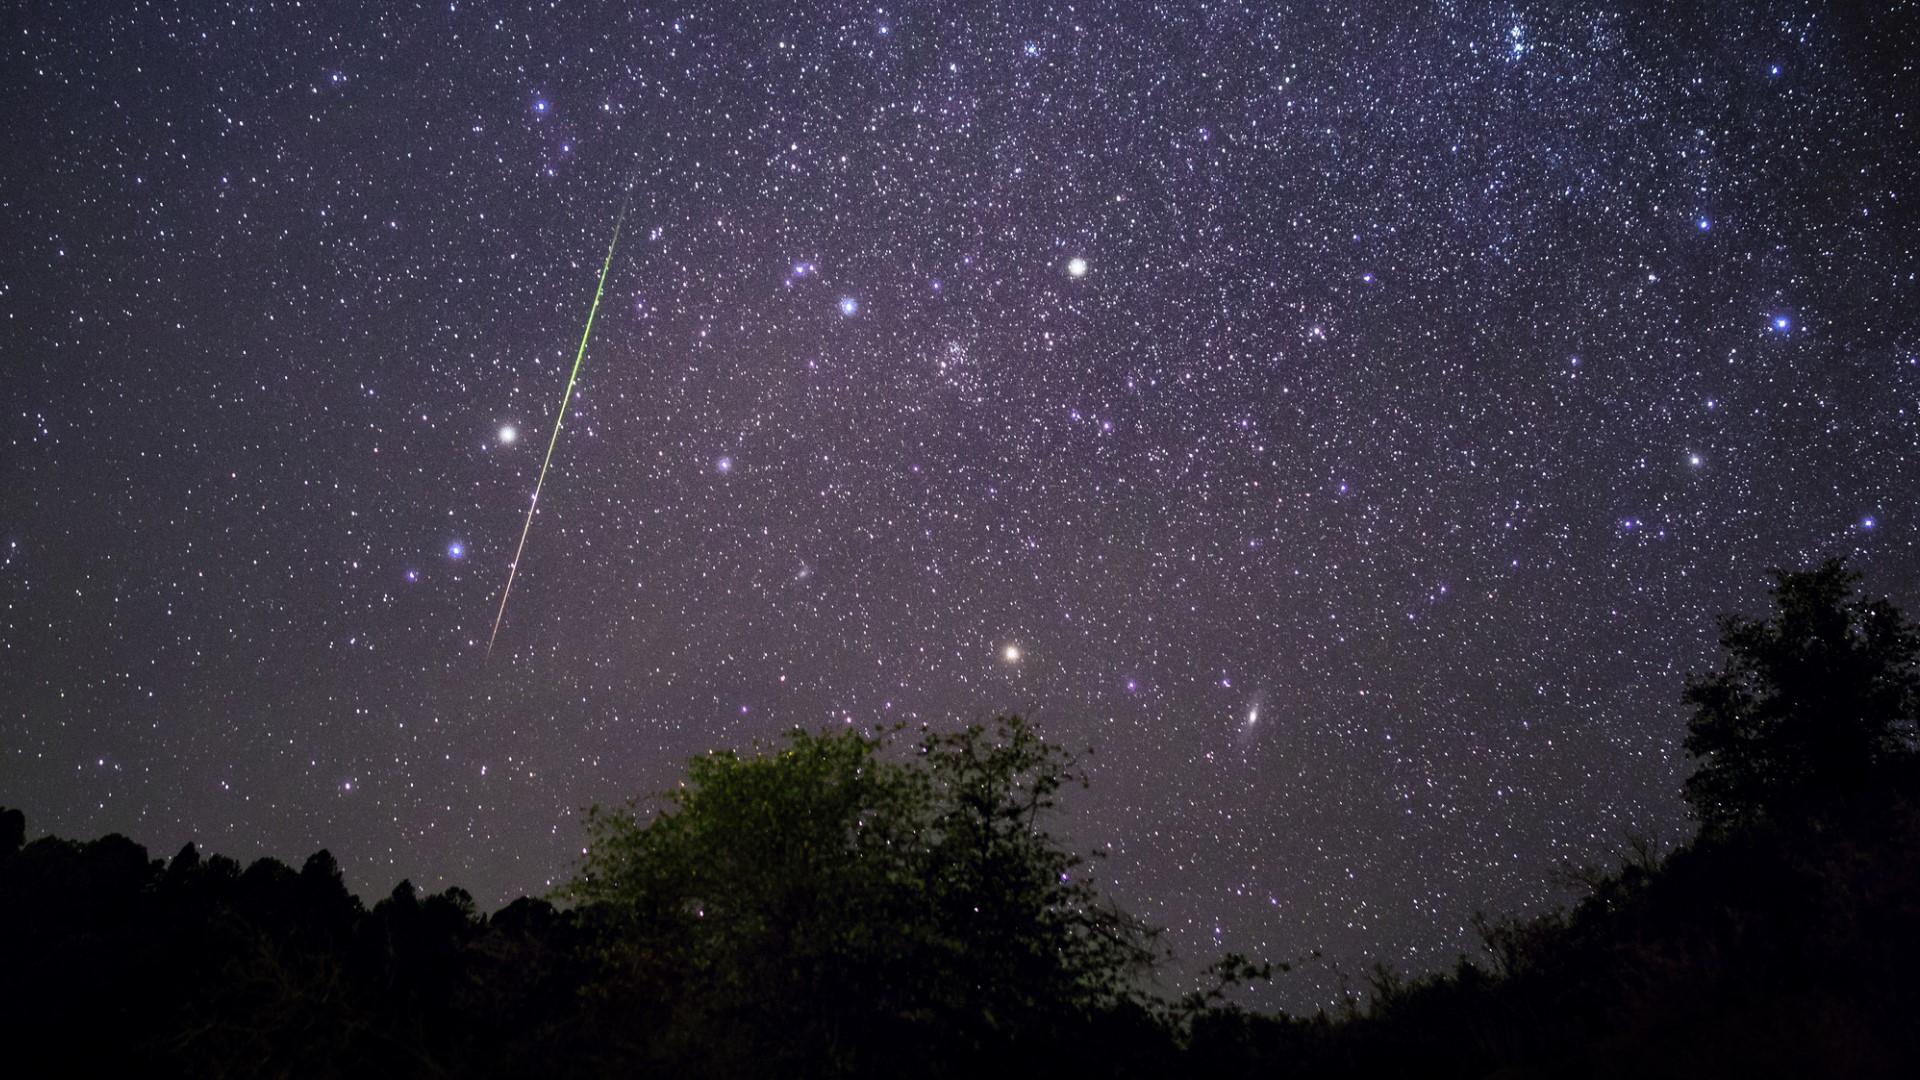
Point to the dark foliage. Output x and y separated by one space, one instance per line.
117 964
826 909
822 910
1816 703
854 906
1775 953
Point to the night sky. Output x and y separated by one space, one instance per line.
1346 423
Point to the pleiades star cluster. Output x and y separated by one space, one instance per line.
1346 420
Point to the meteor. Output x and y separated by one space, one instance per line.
513 568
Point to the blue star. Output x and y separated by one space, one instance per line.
540 105
1782 324
1703 224
849 306
456 550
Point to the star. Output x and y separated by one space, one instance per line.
1076 267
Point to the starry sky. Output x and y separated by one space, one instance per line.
1345 420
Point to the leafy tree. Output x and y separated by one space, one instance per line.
1017 921
1816 701
836 908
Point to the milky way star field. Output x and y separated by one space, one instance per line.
1345 423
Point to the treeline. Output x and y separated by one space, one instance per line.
846 905
855 905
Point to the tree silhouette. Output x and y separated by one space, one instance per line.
832 908
1816 701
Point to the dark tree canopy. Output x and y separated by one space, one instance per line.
855 910
1816 701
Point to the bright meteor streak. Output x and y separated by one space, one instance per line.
513 569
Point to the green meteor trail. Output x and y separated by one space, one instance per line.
514 569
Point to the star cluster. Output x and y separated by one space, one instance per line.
1345 422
